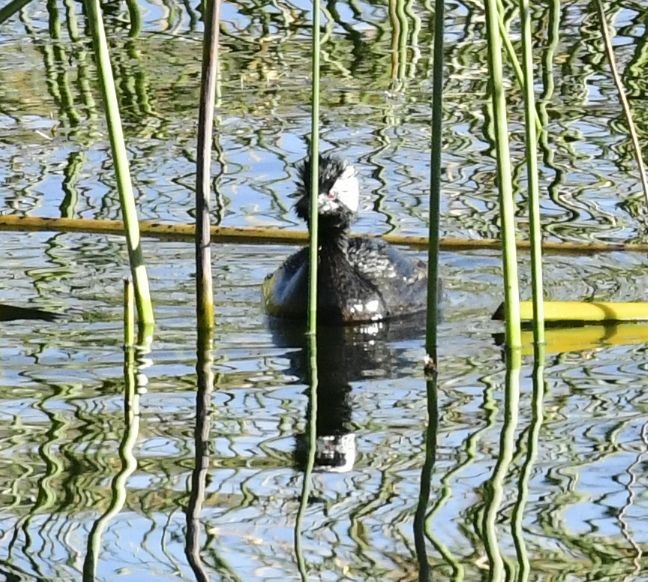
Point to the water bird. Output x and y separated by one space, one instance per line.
359 279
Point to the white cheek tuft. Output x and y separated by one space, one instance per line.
347 189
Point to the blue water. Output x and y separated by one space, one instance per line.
573 495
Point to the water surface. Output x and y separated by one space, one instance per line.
573 496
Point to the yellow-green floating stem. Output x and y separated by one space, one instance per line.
561 340
583 311
279 236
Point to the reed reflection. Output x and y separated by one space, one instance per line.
205 387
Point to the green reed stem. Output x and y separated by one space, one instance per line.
506 202
312 293
435 184
314 157
609 51
120 160
10 9
129 314
533 195
204 288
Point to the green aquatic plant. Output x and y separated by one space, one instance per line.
204 287
435 186
636 146
505 187
122 172
312 291
314 168
533 194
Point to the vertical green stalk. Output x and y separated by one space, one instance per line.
532 177
312 292
435 185
129 314
120 160
636 146
507 207
204 290
314 156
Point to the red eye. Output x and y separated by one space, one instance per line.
331 194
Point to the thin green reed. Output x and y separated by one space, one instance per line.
636 146
314 178
209 70
435 185
532 178
129 314
312 294
120 160
507 207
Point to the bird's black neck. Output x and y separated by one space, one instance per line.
333 240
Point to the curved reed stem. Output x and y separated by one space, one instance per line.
636 146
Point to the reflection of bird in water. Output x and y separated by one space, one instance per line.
345 354
12 313
359 279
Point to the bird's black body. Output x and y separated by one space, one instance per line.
359 279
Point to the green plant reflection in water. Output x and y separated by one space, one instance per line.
133 381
